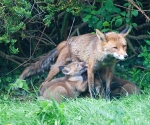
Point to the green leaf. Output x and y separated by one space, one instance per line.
105 30
140 55
99 25
128 15
94 19
86 18
106 23
134 13
126 4
115 9
148 42
134 24
87 10
118 22
127 20
94 12
109 5
113 20
101 10
123 13
108 18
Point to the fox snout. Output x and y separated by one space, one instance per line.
125 56
120 57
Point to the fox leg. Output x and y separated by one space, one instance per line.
61 60
91 81
109 76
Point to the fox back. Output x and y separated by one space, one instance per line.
99 46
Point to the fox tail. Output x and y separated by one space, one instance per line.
42 65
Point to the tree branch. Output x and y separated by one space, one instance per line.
79 27
133 3
138 37
145 25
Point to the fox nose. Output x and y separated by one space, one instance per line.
126 56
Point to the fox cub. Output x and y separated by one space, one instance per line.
69 86
118 87
122 87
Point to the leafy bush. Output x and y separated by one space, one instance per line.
31 28
12 15
108 16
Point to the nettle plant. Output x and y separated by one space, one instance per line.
108 15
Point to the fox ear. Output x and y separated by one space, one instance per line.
100 35
126 31
65 71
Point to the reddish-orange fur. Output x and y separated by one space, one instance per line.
119 87
126 87
69 86
98 51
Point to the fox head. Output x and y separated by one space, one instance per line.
74 68
114 44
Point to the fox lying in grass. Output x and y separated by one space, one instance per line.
122 87
97 50
118 88
69 86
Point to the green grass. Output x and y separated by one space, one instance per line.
133 110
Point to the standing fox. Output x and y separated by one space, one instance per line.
69 86
97 50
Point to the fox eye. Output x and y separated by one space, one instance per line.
124 46
115 47
77 65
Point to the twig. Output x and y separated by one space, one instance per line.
71 28
63 25
130 46
132 2
142 68
8 58
145 25
32 53
128 8
79 27
143 78
138 37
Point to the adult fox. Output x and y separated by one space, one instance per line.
97 50
69 86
